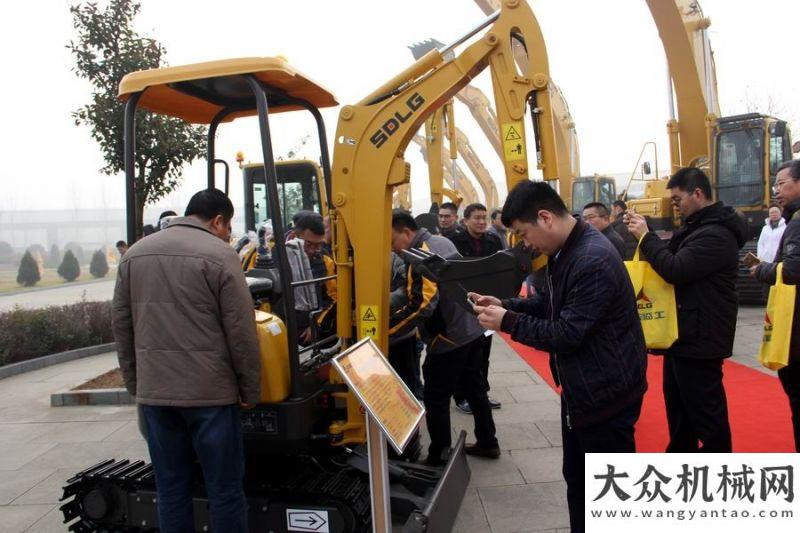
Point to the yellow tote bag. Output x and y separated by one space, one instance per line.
655 301
775 343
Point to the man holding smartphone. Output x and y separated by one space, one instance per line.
587 320
787 193
701 261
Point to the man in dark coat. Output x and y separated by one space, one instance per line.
702 261
618 209
448 220
596 214
586 318
476 241
787 193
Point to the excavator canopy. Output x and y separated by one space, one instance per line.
197 92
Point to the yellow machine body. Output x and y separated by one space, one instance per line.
275 379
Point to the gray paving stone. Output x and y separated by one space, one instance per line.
527 412
77 455
18 518
494 472
14 456
510 379
551 429
14 483
511 365
22 432
52 522
48 490
532 393
502 395
521 436
539 466
541 506
471 517
128 432
80 431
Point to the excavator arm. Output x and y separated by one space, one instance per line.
475 165
566 137
692 80
373 134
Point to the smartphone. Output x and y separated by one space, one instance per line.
751 259
471 302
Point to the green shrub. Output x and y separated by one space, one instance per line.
28 274
77 251
30 333
54 257
7 254
69 269
99 265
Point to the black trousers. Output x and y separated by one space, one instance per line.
611 436
697 408
486 352
441 372
790 379
401 357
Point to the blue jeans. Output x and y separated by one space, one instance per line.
213 434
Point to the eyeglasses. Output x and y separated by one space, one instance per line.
779 185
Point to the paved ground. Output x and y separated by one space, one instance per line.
40 446
92 291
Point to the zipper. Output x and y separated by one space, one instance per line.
555 355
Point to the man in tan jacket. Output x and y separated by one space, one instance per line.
186 339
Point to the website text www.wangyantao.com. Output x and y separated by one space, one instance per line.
689 514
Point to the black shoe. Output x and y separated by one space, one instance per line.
494 404
464 407
480 451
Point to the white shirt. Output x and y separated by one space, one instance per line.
769 240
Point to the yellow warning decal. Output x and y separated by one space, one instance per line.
513 141
368 323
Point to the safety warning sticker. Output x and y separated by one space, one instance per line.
513 143
369 321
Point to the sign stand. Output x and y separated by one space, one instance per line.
392 411
378 478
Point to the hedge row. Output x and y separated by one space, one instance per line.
30 333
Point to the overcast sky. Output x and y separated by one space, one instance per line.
605 55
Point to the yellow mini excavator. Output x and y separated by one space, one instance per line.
305 440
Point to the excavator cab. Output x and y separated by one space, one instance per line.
747 152
305 441
301 187
588 189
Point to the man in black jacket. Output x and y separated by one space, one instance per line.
618 209
596 214
586 318
787 193
701 261
448 220
476 241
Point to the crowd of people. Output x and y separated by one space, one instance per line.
584 315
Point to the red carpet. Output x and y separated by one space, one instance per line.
757 406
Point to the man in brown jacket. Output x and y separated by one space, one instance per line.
186 340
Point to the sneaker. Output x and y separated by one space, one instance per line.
480 451
494 404
464 407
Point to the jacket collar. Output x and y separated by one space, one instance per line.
790 209
698 216
421 236
187 221
569 244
